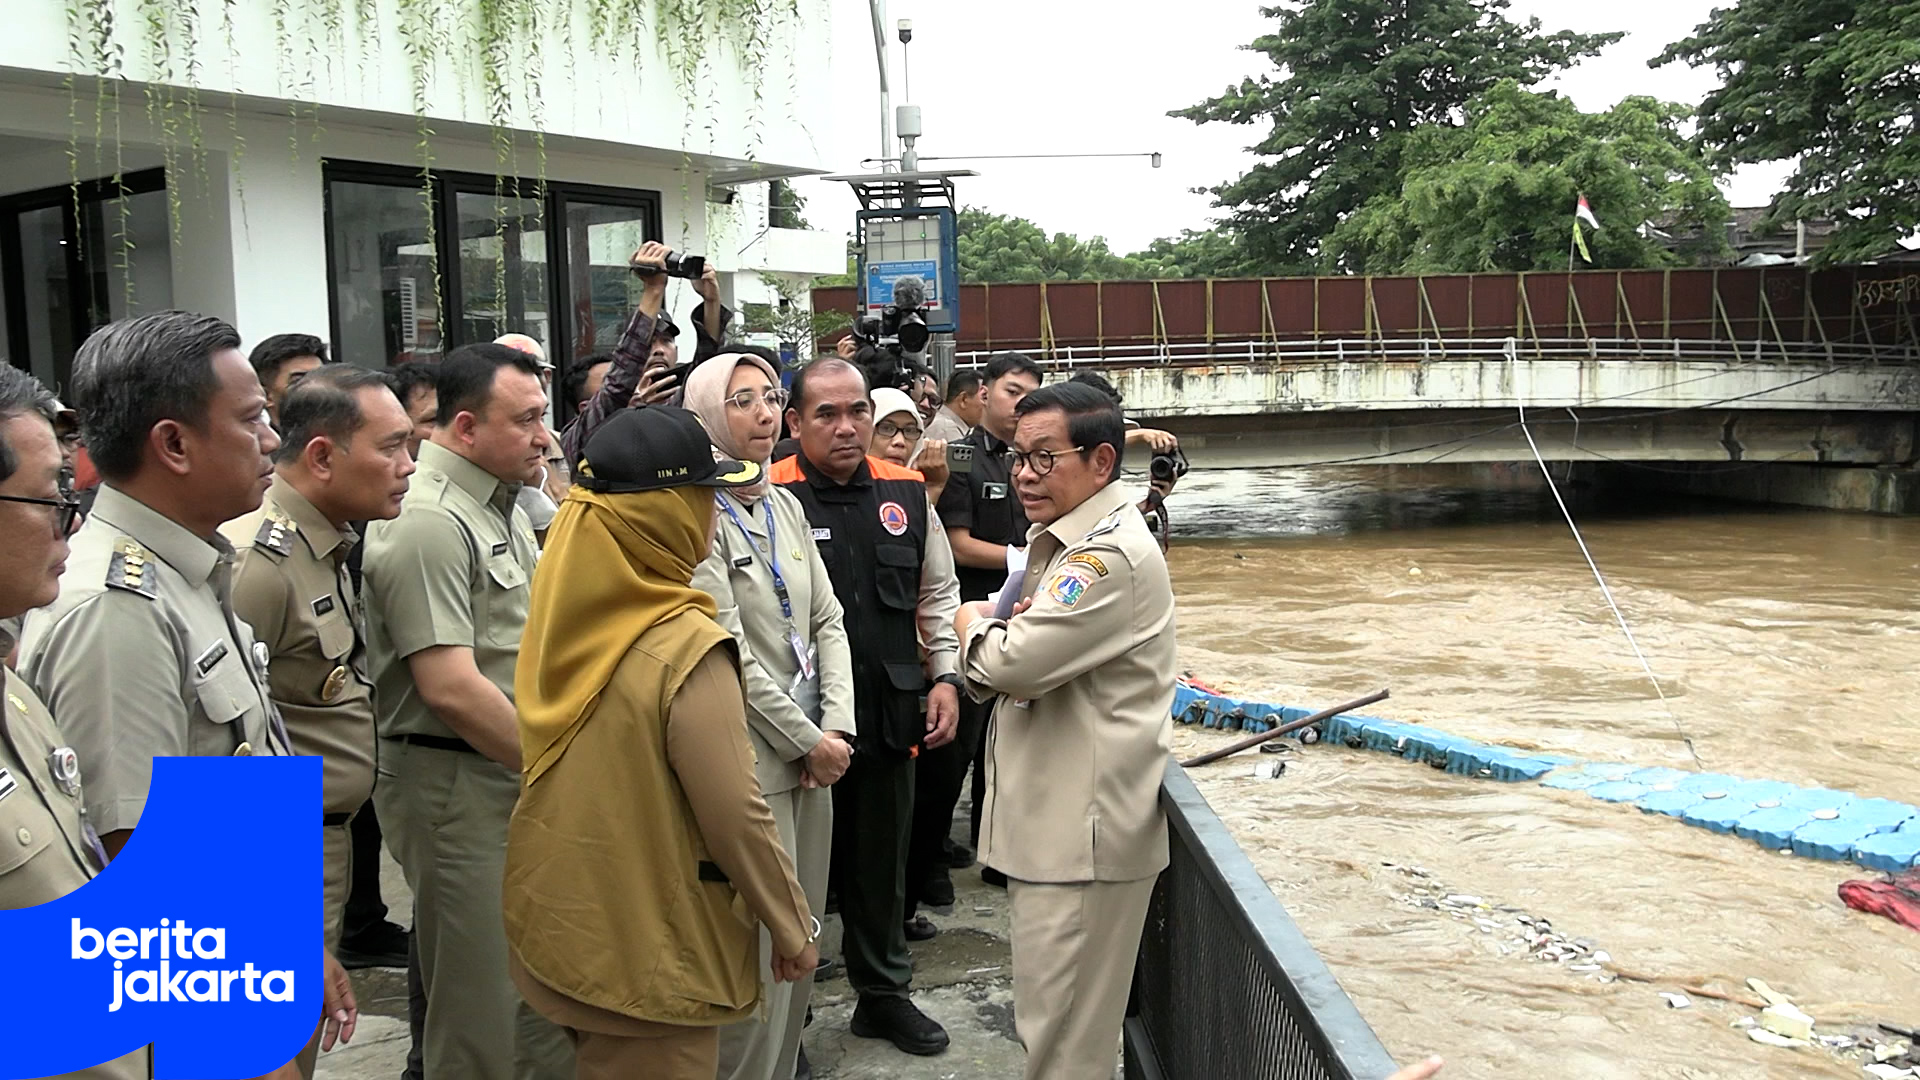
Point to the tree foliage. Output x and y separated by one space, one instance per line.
997 248
786 208
1835 83
1356 77
1498 192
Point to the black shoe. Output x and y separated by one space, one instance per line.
960 857
993 877
827 969
896 1020
381 945
802 1070
921 928
937 890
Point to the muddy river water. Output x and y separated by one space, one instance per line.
1788 643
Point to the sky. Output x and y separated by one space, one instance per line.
1098 76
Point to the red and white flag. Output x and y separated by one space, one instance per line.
1585 213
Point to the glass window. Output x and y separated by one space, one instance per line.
127 255
503 268
386 301
600 239
48 302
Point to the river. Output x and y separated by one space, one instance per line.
1785 642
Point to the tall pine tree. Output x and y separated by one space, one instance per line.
1354 77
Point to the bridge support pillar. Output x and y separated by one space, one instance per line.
1879 489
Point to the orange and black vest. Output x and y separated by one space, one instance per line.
872 534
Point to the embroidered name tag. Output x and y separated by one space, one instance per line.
820 535
7 783
500 548
214 654
993 491
743 562
322 606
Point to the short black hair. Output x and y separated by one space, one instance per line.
409 378
962 384
1007 363
466 378
324 403
575 384
134 373
825 365
21 393
1099 382
1092 417
268 357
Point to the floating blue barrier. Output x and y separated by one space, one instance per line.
1819 823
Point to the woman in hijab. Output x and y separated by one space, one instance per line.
773 594
896 438
640 853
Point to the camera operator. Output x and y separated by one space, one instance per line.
645 367
983 518
1164 470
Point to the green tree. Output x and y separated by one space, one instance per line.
1355 78
1835 83
1217 252
1498 192
995 248
786 208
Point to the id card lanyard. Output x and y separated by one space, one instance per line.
803 651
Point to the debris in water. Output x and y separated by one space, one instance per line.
1414 571
1677 1001
1887 1072
1762 1035
1767 993
1269 770
1787 1020
1889 1051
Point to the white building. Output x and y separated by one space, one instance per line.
266 160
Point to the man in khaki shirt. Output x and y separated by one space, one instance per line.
344 459
447 589
1083 670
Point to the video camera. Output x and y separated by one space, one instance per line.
690 267
890 341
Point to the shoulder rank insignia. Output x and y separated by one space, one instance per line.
127 569
276 533
1107 524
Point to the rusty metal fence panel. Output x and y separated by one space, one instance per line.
1226 988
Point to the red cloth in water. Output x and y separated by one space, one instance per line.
1898 898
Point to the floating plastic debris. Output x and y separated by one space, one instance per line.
1677 1001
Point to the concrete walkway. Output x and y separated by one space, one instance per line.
962 978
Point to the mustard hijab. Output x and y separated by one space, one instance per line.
616 567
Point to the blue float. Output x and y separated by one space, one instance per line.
1818 823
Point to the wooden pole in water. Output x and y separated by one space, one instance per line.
1305 721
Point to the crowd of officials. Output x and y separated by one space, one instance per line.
632 703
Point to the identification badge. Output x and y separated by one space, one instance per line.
261 659
803 654
7 783
214 654
743 562
322 606
64 764
993 491
822 535
500 548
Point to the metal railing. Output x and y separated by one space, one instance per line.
1426 349
1226 988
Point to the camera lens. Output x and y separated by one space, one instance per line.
1161 467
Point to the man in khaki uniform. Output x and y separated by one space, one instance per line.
49 846
344 459
447 589
142 654
1083 671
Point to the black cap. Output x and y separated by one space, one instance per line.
664 326
650 447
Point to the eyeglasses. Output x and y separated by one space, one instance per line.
775 399
887 429
65 510
1041 461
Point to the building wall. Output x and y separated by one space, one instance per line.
746 101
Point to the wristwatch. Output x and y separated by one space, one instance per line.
949 679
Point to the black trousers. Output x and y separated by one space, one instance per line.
364 908
872 818
941 773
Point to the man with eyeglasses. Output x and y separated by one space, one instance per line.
984 523
1081 665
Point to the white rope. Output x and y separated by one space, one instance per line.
1619 618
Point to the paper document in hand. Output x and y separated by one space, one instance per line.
1009 593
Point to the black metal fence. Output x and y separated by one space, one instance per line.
1226 987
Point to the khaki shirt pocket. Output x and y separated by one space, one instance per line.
506 601
26 828
336 635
